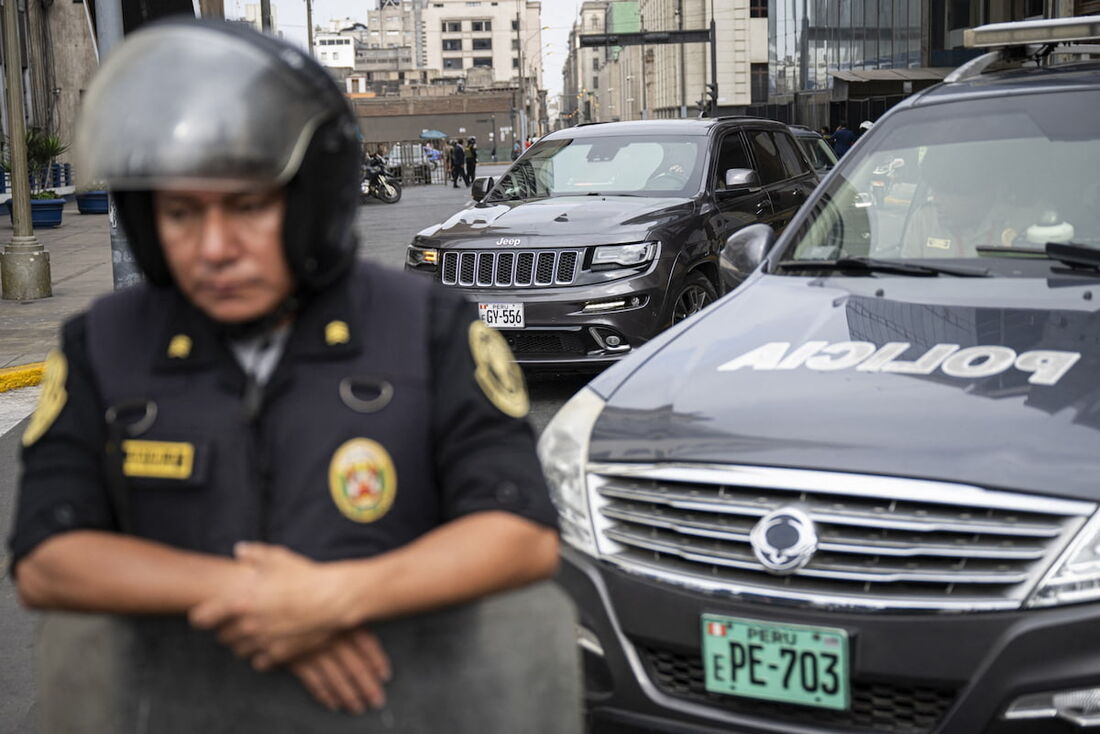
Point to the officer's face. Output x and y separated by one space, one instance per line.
225 250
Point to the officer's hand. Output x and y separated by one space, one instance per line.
287 608
347 673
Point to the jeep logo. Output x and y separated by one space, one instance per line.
509 242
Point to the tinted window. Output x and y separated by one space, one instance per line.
731 154
793 162
768 162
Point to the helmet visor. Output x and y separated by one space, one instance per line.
184 107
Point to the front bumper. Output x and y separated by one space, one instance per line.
560 334
911 673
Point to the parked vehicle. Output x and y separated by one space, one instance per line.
603 235
410 164
817 149
860 493
379 182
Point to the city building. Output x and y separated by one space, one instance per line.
665 80
852 61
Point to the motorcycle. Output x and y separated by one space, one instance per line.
378 182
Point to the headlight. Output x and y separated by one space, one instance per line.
624 255
417 256
1075 577
563 450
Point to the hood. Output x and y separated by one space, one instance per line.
946 378
612 218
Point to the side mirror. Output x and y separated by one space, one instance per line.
745 249
480 187
742 179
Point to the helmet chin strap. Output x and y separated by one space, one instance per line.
281 314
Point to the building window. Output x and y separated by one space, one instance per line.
452 44
595 64
451 64
483 44
595 82
481 25
515 25
758 8
515 63
483 61
759 74
452 26
515 44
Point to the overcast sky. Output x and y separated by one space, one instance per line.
291 14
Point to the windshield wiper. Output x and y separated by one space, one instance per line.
872 265
1068 253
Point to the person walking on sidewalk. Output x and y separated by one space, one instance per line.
471 159
277 471
458 164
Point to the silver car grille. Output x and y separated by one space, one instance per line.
884 542
510 268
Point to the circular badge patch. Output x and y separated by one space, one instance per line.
496 372
362 479
52 398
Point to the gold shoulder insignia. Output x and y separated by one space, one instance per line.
496 372
179 347
337 332
51 400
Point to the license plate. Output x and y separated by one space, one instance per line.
776 662
501 315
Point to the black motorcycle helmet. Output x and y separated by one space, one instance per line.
203 104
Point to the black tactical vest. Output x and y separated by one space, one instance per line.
260 466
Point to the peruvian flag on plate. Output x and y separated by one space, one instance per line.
716 629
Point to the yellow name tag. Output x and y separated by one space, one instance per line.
158 459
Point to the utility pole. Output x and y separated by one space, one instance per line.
124 269
309 25
522 91
265 16
25 265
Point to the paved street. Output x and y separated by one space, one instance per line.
81 270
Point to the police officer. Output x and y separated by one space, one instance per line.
272 450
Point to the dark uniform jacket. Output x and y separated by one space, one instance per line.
378 424
392 410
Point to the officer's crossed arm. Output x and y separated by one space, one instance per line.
500 531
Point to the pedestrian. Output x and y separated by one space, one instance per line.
863 128
843 139
827 135
270 451
458 164
471 159
516 150
493 155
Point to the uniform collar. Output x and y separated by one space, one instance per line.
326 326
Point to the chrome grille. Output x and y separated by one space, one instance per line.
510 268
883 541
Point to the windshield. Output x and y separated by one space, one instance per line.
945 180
818 151
665 165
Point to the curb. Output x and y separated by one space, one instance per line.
26 375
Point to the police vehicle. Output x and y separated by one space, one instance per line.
860 493
602 235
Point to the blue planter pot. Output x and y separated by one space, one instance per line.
92 202
44 212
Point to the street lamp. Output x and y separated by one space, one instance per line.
522 88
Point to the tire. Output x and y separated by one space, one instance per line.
389 191
694 294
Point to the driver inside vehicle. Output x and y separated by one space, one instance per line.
968 205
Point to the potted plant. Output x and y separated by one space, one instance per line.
92 199
46 204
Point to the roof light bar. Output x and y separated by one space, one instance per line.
1057 30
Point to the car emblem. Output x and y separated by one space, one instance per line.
784 540
510 241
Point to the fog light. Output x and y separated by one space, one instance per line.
609 339
613 341
1080 706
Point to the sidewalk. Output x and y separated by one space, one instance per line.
80 267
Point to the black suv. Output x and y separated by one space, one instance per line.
860 493
602 235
